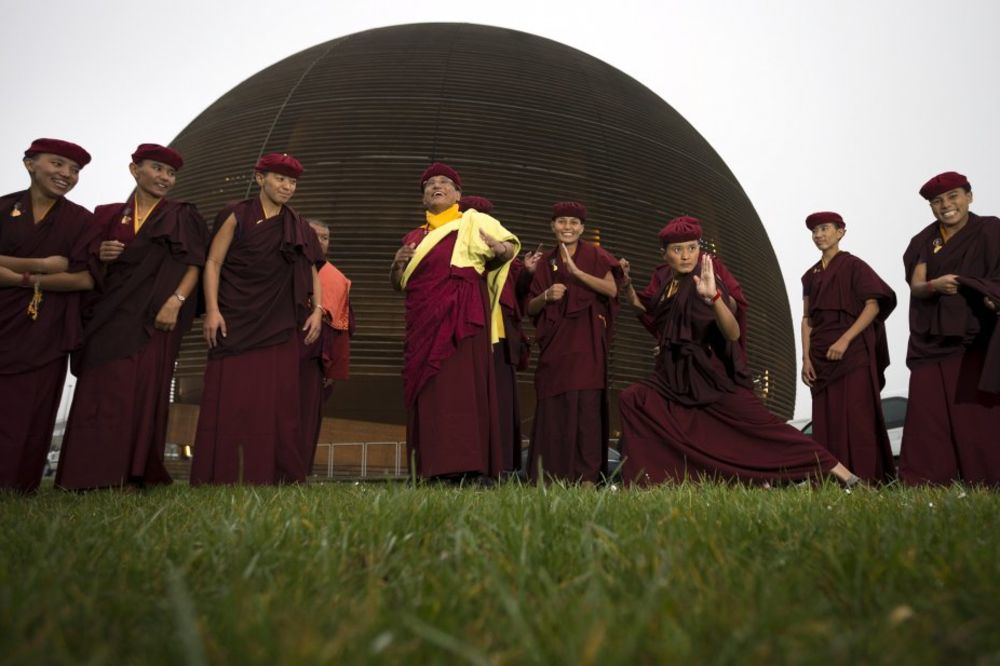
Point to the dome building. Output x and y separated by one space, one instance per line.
527 121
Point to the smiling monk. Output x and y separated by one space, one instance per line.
44 264
151 250
953 415
452 268
261 286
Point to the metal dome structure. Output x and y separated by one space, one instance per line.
526 121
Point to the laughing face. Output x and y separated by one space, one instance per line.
952 208
53 175
154 178
440 194
567 230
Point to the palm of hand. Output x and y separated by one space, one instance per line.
705 283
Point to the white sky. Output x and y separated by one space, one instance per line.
846 105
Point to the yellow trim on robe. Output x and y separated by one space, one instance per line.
472 252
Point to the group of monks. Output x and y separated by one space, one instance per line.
112 292
696 416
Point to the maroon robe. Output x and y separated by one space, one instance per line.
570 432
696 416
448 372
117 426
847 408
953 413
33 353
249 423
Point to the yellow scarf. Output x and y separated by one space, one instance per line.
470 252
435 220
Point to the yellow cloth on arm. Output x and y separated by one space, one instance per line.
471 251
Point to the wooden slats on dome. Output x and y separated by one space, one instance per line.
527 121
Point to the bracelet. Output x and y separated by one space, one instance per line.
930 286
25 279
179 297
718 295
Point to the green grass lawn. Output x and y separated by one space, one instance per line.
390 573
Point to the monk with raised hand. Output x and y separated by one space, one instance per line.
845 353
261 287
696 416
452 269
44 267
953 269
573 302
151 250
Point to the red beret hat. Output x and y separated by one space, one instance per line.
569 209
482 204
680 230
825 217
280 163
440 169
59 147
944 182
158 153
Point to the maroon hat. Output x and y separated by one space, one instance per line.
158 153
569 209
482 204
680 230
280 163
825 217
59 147
944 182
440 169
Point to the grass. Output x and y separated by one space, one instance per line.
390 573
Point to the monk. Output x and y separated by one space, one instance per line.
513 351
953 415
845 353
573 302
696 416
151 250
452 268
261 286
44 267
328 359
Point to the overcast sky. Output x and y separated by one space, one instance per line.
846 106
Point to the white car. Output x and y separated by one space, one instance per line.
894 411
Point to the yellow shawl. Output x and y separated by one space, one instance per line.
472 252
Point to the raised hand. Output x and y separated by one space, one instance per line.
705 283
571 267
531 260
